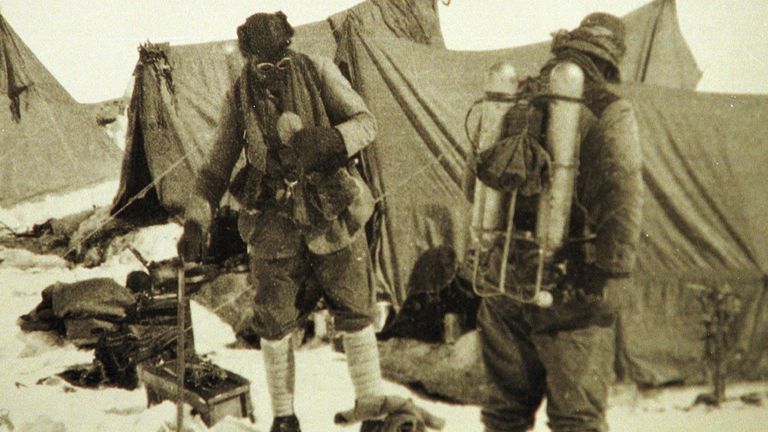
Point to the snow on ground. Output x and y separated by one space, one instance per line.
670 410
22 217
33 399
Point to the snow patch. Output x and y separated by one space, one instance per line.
211 333
25 260
33 399
22 217
154 243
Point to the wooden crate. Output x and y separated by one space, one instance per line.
231 397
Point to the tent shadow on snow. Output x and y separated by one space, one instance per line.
704 200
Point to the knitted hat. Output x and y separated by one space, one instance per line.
265 35
599 34
608 22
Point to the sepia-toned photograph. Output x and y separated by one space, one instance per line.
384 216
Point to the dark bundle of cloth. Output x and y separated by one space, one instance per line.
126 326
80 311
226 243
519 160
434 292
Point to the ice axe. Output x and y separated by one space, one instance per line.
180 342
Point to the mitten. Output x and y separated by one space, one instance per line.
319 149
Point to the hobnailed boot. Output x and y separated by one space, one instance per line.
285 424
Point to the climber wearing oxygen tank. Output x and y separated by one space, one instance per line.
568 163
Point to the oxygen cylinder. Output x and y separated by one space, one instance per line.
487 207
566 80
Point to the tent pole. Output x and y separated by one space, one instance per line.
654 30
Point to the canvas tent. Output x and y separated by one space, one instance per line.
706 206
704 199
48 142
431 90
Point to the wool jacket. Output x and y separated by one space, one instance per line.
268 228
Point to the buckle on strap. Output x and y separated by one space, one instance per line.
287 190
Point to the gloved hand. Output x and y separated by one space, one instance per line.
191 245
316 149
397 414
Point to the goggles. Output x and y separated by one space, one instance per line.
266 67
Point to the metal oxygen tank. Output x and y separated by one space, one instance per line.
488 205
566 84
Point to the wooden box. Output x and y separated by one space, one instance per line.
230 397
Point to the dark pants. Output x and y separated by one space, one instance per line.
562 353
288 289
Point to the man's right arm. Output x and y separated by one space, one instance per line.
621 190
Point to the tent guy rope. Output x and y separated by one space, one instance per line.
178 162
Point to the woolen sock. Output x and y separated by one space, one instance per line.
363 362
281 371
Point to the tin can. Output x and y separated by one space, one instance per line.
451 327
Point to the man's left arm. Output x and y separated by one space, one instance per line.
620 164
357 125
326 149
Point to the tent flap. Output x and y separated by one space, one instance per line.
415 20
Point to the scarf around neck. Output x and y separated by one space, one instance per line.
298 91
